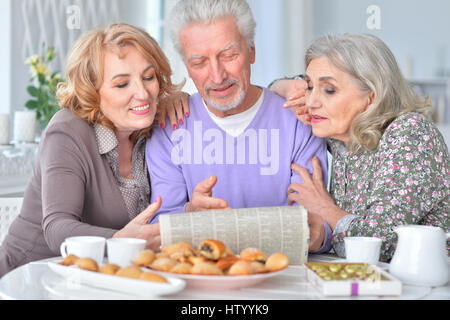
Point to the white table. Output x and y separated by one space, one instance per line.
36 281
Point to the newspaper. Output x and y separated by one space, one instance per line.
270 229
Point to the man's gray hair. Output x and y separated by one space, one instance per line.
186 12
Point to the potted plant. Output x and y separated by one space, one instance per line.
43 87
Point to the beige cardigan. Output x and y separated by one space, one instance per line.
72 192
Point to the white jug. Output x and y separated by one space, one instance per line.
421 256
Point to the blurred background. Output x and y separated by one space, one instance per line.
415 30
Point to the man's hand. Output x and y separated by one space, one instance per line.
202 198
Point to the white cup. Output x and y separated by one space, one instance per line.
362 249
122 251
84 247
24 126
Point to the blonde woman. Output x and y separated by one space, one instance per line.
390 164
91 176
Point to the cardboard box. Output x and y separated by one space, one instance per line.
331 283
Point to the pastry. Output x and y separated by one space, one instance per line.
228 253
109 268
151 276
163 264
240 267
183 268
226 262
258 267
162 255
196 259
253 254
181 256
212 249
277 261
69 260
130 272
144 258
87 264
182 248
206 268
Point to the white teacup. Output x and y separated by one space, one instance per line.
122 251
84 247
362 249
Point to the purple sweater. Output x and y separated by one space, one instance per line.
253 169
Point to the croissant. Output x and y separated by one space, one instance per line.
212 249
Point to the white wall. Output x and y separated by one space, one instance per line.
411 28
5 56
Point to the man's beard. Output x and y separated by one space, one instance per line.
223 107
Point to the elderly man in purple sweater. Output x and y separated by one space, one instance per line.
237 146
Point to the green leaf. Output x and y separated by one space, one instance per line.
32 104
41 78
33 91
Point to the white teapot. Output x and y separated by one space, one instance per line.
421 256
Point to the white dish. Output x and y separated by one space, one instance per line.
220 282
141 288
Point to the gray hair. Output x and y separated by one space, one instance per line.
373 67
186 12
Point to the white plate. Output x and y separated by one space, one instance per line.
142 288
220 282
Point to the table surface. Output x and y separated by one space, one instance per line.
36 281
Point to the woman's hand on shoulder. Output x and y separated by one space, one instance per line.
139 227
293 90
176 106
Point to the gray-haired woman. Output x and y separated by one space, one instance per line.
390 163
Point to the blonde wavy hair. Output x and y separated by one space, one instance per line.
85 65
372 65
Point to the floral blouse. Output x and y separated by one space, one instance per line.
404 181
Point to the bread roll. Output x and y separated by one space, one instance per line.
240 267
206 268
258 267
183 248
151 276
87 264
277 261
130 272
69 260
144 258
182 268
163 264
226 262
109 268
253 254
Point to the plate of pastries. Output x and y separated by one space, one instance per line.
212 265
131 279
